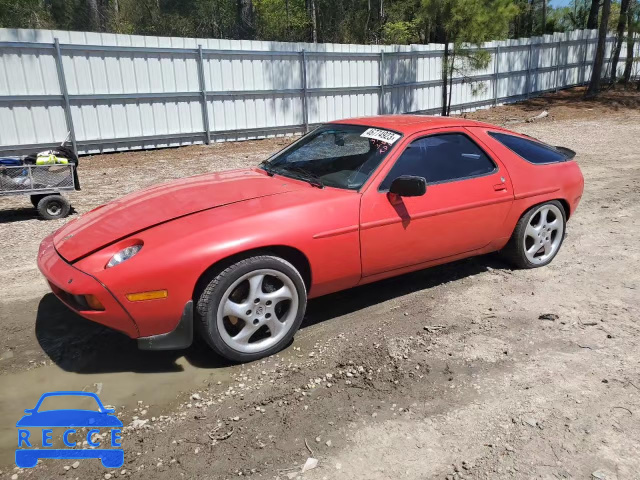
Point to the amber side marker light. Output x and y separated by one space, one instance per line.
93 302
152 295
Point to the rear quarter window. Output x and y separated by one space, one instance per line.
531 150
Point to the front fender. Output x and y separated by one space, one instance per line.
322 224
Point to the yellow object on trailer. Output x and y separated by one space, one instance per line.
48 158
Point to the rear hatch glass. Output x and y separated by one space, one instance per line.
532 150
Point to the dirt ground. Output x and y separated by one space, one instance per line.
445 373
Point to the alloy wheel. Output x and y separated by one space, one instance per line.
543 234
257 310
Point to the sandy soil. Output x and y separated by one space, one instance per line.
444 373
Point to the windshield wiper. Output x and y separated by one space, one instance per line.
305 175
300 173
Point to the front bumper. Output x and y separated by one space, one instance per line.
66 281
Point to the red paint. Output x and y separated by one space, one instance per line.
348 237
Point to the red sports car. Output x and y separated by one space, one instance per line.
238 253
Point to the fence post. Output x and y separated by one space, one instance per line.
557 79
305 112
381 74
497 73
203 91
63 88
529 68
584 60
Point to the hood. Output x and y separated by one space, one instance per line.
144 209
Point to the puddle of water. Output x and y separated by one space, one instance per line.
160 391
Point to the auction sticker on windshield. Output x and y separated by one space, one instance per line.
382 135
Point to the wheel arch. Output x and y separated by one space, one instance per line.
291 254
563 202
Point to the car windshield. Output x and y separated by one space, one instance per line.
342 156
64 402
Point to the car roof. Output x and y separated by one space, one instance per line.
408 124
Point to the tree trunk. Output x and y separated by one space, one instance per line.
445 78
544 17
530 11
94 15
288 30
592 22
311 12
246 29
622 20
628 66
366 24
115 11
453 61
596 72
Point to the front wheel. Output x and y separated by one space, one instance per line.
253 308
538 236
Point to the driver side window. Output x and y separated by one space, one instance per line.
441 158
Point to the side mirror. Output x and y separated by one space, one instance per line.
408 186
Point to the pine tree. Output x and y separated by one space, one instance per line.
460 23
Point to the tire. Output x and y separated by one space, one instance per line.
35 199
537 229
268 297
52 207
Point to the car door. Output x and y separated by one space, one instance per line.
467 199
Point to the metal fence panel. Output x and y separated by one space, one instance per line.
121 92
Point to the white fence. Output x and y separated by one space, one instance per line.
121 92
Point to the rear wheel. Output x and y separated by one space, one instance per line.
538 236
253 308
53 206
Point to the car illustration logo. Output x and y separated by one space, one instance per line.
33 445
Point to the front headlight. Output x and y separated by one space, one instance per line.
122 255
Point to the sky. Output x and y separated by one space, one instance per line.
559 3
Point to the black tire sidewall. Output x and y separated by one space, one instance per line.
209 327
45 202
522 225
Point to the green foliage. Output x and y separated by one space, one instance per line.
282 20
575 16
342 21
401 32
468 21
25 14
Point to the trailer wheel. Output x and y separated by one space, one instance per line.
52 207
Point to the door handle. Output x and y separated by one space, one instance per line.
500 187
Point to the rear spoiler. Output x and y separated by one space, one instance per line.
566 151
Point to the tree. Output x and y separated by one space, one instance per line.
578 15
460 23
622 20
25 14
544 16
592 21
311 9
632 28
596 72
245 19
